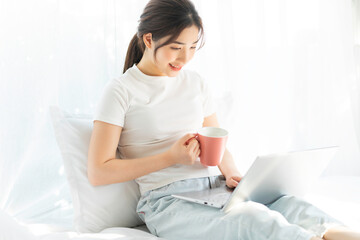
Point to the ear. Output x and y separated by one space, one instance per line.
147 38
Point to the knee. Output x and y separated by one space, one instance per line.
252 208
292 207
289 201
250 212
253 216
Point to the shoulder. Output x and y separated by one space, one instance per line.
122 81
117 87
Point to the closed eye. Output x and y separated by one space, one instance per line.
180 48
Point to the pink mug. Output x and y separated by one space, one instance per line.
212 145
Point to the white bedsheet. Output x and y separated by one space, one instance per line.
13 230
110 233
339 196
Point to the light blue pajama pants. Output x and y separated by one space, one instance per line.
289 218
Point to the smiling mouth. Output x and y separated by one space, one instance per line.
175 67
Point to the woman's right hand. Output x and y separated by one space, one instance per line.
186 150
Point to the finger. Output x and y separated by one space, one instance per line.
233 183
192 145
198 152
188 137
195 149
237 178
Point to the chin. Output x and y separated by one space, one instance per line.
172 73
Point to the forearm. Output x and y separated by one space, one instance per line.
122 170
228 166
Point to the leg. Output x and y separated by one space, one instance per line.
172 218
341 233
304 214
178 219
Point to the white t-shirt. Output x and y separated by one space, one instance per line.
154 112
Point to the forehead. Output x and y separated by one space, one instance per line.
187 36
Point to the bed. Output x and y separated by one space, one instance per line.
339 196
108 212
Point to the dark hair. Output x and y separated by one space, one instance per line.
162 18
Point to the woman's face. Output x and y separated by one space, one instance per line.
172 57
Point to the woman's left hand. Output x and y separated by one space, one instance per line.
233 180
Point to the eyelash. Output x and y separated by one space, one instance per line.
180 48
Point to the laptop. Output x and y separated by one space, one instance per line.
269 178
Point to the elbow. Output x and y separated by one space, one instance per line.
94 182
98 174
93 179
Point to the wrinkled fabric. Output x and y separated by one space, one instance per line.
171 218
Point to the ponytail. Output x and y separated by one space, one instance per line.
134 53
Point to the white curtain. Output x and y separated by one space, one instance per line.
355 86
285 74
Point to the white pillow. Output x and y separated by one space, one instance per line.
95 208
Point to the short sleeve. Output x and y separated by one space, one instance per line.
208 102
113 104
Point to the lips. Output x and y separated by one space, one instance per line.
175 67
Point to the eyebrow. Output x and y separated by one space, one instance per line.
184 43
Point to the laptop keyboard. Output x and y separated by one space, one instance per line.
219 198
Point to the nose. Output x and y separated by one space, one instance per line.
185 56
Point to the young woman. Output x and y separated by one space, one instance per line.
152 112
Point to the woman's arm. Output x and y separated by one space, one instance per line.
227 166
103 167
229 170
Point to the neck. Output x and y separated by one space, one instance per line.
148 67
